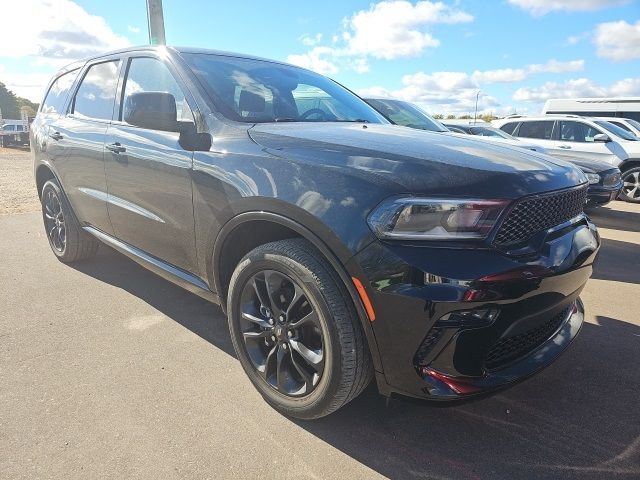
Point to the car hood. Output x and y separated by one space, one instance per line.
508 141
417 161
589 166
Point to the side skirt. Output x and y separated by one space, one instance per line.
169 272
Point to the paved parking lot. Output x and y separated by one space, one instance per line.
109 371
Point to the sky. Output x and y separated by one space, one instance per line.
439 54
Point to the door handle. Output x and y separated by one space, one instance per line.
116 148
564 147
56 136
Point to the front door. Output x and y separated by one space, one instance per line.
575 139
149 174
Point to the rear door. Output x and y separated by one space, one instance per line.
575 139
76 142
149 173
539 132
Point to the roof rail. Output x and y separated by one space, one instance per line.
570 115
514 116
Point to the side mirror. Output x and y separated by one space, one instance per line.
152 110
601 137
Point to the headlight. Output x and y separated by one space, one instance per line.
435 218
593 178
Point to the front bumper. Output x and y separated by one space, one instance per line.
416 290
598 195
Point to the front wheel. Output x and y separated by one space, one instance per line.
295 330
630 185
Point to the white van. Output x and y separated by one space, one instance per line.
624 107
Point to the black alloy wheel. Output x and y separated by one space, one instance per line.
54 220
282 334
295 330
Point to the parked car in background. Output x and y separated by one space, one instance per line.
340 246
14 132
628 124
576 136
406 114
487 132
605 181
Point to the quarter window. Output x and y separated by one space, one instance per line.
57 94
97 92
537 129
151 75
577 132
509 127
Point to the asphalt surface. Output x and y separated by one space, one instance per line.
107 371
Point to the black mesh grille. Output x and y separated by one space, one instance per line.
427 344
535 214
508 349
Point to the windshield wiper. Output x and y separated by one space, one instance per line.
286 119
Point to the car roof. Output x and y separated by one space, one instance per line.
179 50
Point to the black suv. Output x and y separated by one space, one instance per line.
340 246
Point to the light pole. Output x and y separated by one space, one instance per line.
155 20
475 113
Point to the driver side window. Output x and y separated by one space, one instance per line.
577 132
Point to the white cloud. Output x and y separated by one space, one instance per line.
55 31
542 7
27 85
449 92
455 92
393 29
387 30
507 75
618 41
133 29
314 60
575 88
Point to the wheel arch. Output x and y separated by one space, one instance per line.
232 244
629 163
44 173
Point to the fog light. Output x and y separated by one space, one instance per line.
480 317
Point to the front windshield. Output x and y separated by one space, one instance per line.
406 114
258 91
621 132
633 122
490 132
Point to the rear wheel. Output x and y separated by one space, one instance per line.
295 330
630 185
67 240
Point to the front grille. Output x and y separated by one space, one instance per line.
535 214
508 349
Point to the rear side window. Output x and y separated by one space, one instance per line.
509 127
151 75
57 94
537 129
97 92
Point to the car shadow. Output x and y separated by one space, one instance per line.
605 217
618 261
202 317
577 419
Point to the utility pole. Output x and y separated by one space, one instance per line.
475 113
155 20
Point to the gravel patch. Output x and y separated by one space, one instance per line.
17 185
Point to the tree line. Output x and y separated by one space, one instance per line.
485 116
10 104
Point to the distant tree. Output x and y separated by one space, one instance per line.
451 117
487 117
465 117
438 116
8 103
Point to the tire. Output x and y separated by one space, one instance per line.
293 268
630 191
67 240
